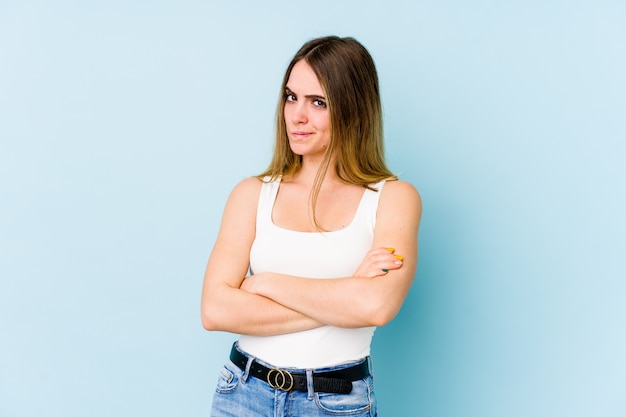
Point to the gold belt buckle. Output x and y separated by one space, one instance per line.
280 379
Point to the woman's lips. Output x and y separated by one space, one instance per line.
300 135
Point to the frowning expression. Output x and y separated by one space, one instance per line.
307 118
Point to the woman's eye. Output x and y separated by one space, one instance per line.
319 103
290 97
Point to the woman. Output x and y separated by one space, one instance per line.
329 236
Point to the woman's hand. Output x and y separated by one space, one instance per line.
378 262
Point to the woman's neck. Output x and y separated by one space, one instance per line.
308 172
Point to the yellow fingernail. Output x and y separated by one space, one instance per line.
390 250
399 257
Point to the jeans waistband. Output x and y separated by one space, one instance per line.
334 381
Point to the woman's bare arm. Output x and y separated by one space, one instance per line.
224 306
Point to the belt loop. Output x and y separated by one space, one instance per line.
370 366
309 383
246 373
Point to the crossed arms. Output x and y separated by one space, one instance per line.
271 303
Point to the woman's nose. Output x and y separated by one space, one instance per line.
298 114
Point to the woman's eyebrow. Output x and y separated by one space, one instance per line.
309 96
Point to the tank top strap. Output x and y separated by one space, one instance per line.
368 208
269 190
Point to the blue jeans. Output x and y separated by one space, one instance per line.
240 395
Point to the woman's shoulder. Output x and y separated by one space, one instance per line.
396 186
247 189
397 193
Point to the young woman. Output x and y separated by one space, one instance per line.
329 238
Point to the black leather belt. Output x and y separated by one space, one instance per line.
338 382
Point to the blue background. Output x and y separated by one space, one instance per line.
124 126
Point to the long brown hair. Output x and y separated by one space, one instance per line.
346 72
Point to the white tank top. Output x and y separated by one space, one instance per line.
333 254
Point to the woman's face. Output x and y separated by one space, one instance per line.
307 118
